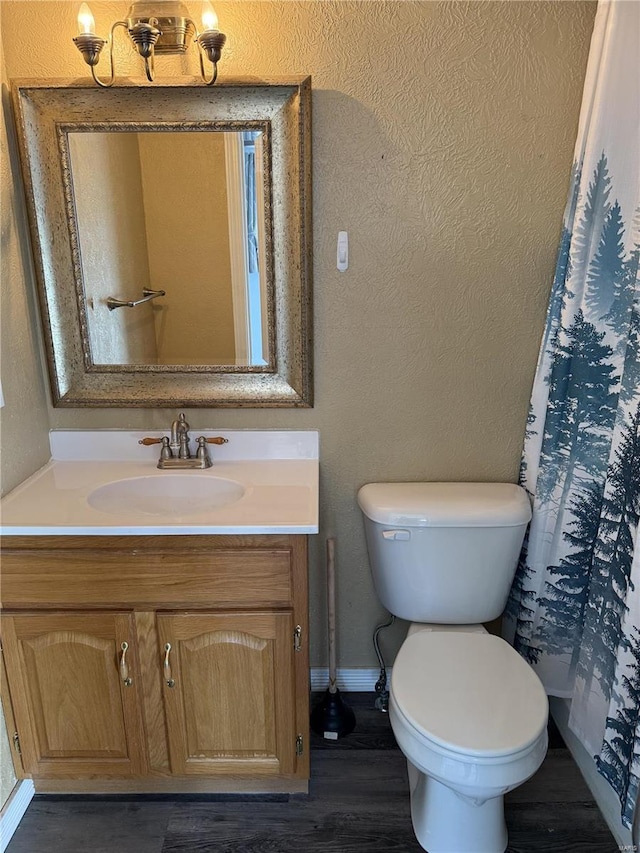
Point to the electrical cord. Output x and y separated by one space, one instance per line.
382 697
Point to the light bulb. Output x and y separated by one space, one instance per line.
86 24
209 17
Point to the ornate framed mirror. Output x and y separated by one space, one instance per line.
171 227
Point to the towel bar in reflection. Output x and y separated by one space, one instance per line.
147 296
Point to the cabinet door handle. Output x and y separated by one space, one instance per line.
124 669
167 666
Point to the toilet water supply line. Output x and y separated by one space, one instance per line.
382 697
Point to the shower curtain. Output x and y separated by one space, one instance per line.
574 611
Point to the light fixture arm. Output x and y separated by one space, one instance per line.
149 67
203 74
90 46
210 42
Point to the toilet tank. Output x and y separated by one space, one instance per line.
444 552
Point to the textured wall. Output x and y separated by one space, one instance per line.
7 775
24 419
442 141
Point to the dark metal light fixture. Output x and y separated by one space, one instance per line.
163 26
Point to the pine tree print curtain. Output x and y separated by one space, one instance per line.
574 612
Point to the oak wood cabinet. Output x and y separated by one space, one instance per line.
218 722
171 663
75 715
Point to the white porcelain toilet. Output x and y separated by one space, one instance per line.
467 711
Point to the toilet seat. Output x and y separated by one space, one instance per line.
468 694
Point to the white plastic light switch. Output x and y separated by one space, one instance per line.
343 251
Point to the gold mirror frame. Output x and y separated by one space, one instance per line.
45 110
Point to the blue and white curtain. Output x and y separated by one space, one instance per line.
574 612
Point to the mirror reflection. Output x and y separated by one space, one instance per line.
172 244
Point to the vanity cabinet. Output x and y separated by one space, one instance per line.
218 722
170 663
74 714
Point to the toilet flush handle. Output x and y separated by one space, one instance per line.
403 535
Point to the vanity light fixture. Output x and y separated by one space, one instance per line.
154 26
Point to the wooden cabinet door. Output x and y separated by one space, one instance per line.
75 714
229 692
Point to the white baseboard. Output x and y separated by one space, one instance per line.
348 679
13 811
603 794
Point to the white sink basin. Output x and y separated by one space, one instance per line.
167 494
104 483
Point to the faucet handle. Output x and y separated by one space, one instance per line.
217 440
165 453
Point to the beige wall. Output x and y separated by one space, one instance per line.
7 775
23 420
442 141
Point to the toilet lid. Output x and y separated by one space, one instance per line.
468 693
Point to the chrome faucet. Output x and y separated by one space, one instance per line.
179 430
175 451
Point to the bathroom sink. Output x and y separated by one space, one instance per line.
177 495
105 483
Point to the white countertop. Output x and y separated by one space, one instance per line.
278 469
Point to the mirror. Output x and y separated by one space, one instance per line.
202 294
171 229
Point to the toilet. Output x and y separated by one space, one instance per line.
467 711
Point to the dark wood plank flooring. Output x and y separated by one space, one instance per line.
358 803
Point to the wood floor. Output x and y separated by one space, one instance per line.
358 803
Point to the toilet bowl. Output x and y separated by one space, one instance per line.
467 711
470 716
